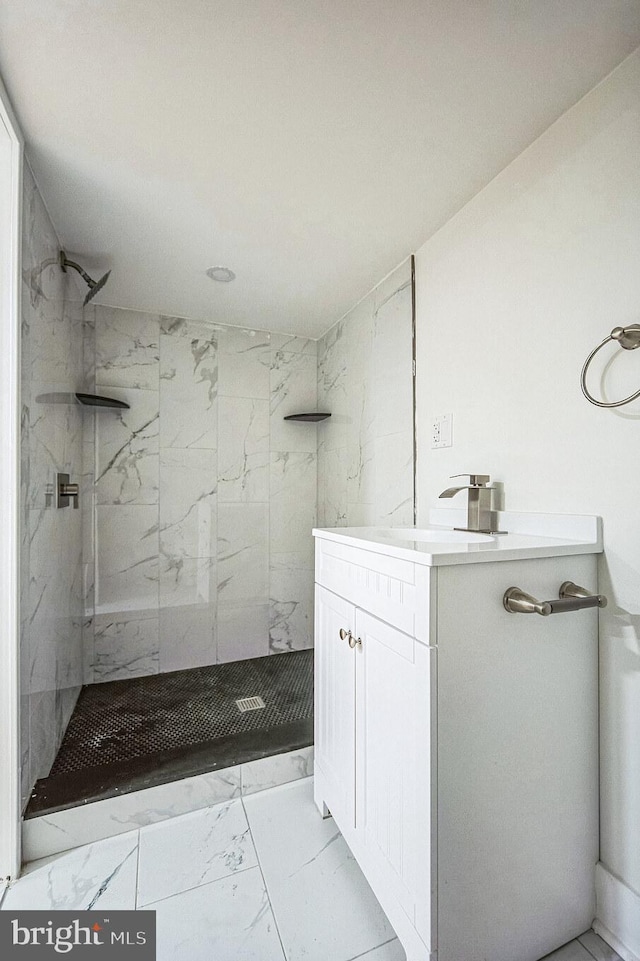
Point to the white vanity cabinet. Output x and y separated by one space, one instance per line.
373 737
456 743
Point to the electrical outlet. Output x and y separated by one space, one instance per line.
442 431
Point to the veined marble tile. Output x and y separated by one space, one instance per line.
26 782
363 390
243 559
361 474
193 849
245 359
268 772
127 348
392 360
51 441
397 281
311 876
54 550
291 609
333 388
294 389
292 561
394 479
41 273
188 502
127 553
293 500
74 316
188 384
89 347
88 654
52 345
188 636
46 443
293 345
187 582
43 734
243 631
332 487
77 826
55 654
361 515
331 358
227 920
125 647
66 700
96 877
127 448
243 461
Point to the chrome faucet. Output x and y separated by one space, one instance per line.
481 517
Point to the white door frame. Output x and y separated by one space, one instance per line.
11 154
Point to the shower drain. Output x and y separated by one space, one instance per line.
250 704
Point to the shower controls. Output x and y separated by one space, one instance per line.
66 492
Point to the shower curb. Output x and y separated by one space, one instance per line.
64 830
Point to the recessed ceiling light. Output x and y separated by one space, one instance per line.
223 274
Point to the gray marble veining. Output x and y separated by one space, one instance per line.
365 452
185 490
127 448
188 384
127 348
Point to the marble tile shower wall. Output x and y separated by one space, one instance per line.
51 657
203 497
365 452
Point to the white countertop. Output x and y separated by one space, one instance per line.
529 535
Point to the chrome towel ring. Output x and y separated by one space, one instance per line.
629 339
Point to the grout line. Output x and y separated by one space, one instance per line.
137 873
365 953
264 880
196 887
587 948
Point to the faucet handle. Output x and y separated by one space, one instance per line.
475 480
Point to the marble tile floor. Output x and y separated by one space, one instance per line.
258 878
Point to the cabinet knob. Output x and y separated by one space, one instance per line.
344 634
355 641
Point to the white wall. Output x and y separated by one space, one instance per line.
511 296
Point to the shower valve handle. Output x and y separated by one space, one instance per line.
67 492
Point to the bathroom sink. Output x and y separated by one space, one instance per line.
431 535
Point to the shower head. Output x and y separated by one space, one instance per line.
94 285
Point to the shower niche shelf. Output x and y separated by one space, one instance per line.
311 417
95 400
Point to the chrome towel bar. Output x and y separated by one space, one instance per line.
571 598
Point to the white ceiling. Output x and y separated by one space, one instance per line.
310 145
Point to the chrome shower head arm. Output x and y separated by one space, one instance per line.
65 262
93 285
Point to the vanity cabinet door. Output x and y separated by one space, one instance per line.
394 823
335 665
